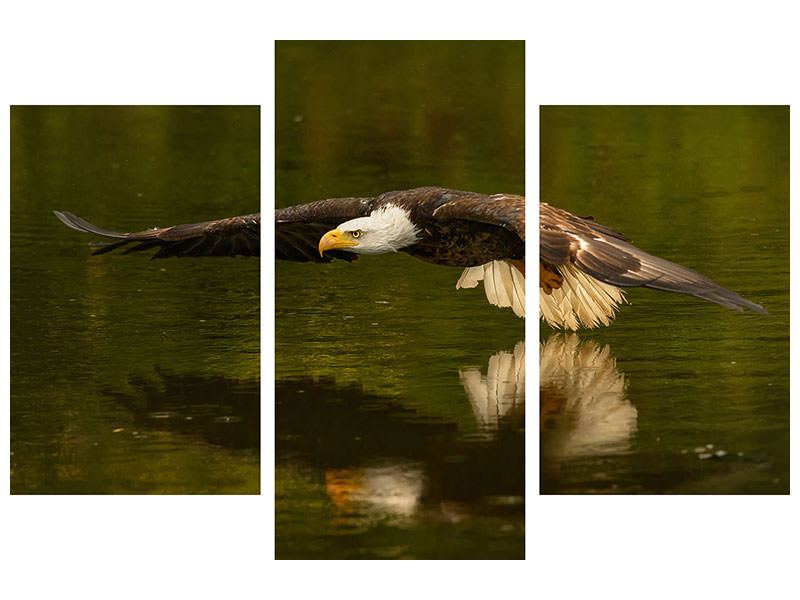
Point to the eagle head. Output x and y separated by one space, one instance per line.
387 229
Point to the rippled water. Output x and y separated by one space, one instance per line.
130 375
679 395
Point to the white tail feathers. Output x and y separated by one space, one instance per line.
503 283
582 300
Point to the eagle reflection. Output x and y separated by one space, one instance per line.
388 492
583 408
221 410
501 393
382 461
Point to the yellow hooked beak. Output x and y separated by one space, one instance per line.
335 239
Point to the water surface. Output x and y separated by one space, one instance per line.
130 375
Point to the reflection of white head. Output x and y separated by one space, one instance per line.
387 229
383 493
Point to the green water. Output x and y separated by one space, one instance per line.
130 375
679 395
388 445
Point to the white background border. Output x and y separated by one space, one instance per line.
222 53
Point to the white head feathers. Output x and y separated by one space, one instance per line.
387 229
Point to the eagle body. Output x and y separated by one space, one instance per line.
460 243
234 236
457 229
484 234
583 265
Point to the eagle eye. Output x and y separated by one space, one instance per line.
357 233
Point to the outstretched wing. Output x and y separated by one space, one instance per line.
224 237
299 228
504 210
607 255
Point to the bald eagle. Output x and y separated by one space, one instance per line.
583 265
484 235
224 237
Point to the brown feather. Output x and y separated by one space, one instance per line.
607 255
235 236
458 228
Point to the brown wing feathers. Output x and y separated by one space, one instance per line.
645 270
606 255
506 210
224 237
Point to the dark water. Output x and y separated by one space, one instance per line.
679 395
130 375
399 400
